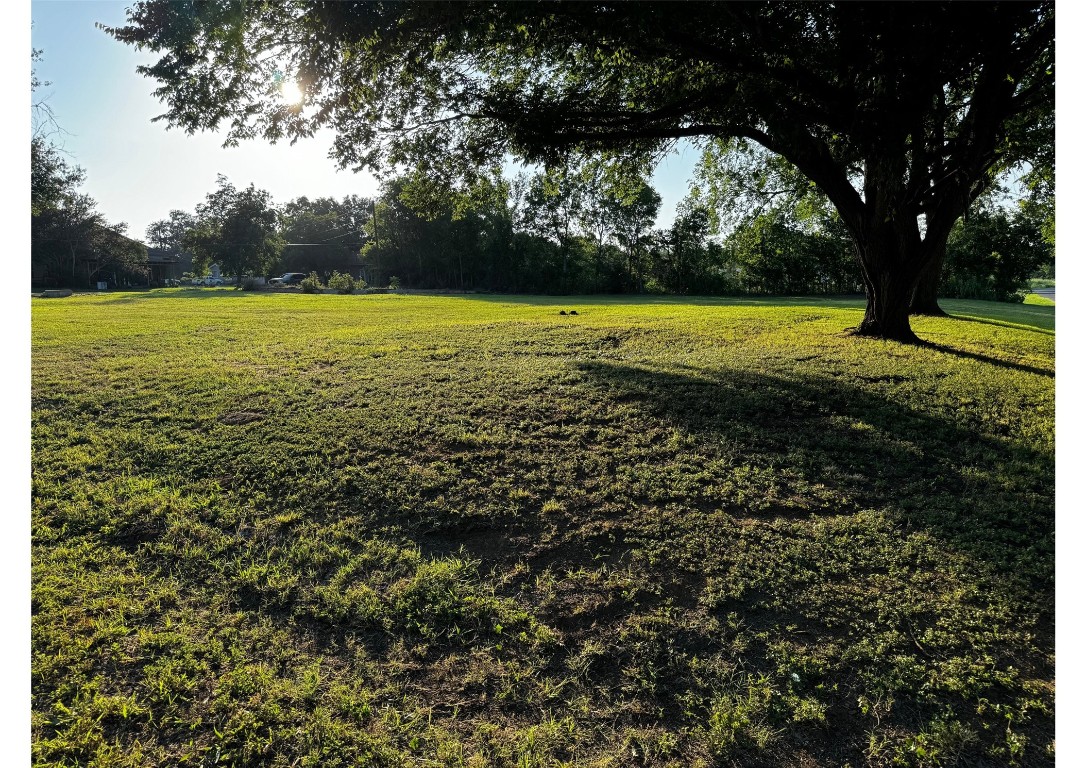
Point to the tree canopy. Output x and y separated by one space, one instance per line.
169 233
901 113
236 229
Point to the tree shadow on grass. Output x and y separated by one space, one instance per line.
986 496
998 362
977 493
1026 324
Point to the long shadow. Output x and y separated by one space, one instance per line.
984 495
980 494
1008 364
1018 326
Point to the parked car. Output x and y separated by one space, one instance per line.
212 280
290 278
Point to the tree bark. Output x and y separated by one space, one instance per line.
887 313
890 267
926 296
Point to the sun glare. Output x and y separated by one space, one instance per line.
291 93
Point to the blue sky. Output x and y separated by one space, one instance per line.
139 171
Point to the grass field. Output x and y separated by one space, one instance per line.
286 530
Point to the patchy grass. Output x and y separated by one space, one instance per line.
286 530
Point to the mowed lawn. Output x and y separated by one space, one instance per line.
397 530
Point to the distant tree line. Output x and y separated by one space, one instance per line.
591 230
583 230
71 242
752 224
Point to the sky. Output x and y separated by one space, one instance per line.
139 171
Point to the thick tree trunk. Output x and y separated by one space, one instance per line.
887 314
890 274
926 296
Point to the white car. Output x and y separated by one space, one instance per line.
212 280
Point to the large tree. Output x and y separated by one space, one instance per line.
899 112
633 209
236 229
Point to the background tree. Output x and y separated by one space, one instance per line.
992 253
71 243
1039 182
427 235
405 242
236 229
686 260
505 251
552 205
169 233
633 210
783 235
739 181
611 195
52 179
898 112
324 234
776 253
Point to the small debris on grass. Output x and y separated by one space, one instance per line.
573 311
561 312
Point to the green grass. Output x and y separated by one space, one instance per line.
1039 301
1041 282
286 530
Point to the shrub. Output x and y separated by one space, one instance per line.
394 283
249 284
341 283
311 284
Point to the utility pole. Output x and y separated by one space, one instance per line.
376 242
373 208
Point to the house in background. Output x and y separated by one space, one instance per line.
162 265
